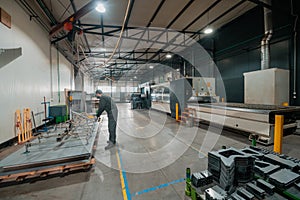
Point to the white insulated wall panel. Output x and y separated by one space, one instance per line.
27 79
62 77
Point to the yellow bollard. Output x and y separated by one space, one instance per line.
177 112
278 133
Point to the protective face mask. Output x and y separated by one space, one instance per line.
98 97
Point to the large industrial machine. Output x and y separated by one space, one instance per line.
141 99
255 119
191 90
164 96
160 97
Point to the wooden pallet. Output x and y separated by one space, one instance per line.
46 171
188 114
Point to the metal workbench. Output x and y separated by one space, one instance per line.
57 149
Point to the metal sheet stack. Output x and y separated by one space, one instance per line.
264 169
215 193
277 176
230 166
283 178
200 179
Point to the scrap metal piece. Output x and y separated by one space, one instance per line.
245 194
260 149
208 176
264 168
258 192
267 187
230 166
283 178
215 193
214 165
235 196
27 145
294 192
197 179
252 152
200 179
284 163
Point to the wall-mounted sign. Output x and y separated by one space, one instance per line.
5 18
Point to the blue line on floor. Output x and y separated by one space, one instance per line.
158 187
124 177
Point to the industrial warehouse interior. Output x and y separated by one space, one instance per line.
149 99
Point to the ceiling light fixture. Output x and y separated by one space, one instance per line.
100 8
151 67
168 56
135 77
208 30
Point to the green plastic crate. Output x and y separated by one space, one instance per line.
60 119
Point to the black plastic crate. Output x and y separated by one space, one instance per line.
58 110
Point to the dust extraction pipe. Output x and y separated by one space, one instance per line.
265 43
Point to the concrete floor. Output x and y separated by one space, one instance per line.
149 162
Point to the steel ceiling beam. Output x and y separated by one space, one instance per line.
77 15
156 12
59 39
180 13
170 24
47 12
118 28
222 15
128 52
151 20
31 12
202 14
271 7
138 59
121 63
131 3
261 4
97 26
102 28
132 38
79 23
129 13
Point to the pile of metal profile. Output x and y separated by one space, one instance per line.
264 169
200 179
251 173
215 192
66 147
252 118
285 163
230 166
284 178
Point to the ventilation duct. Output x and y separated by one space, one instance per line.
265 43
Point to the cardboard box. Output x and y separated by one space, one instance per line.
5 18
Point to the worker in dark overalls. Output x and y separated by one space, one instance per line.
107 104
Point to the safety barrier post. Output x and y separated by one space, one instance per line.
278 133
